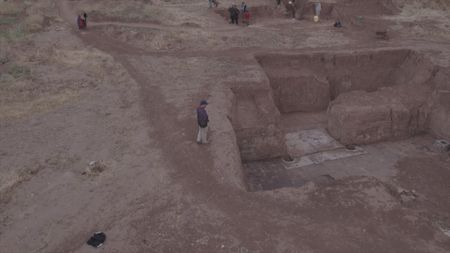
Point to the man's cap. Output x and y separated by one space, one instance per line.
203 102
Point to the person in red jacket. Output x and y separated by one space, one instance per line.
246 17
82 21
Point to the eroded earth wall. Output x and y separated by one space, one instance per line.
371 96
440 114
255 119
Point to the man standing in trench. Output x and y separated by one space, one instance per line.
202 120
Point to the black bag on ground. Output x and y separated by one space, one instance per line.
97 239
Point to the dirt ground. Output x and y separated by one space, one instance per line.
123 93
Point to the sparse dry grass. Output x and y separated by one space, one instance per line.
443 5
11 8
33 23
37 105
18 18
8 20
19 72
25 91
125 11
13 33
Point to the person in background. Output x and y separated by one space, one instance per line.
85 19
246 18
81 21
242 10
291 7
234 14
317 8
243 7
202 120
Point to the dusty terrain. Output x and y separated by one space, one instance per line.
323 139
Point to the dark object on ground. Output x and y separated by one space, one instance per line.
350 147
337 24
288 158
441 146
381 35
97 239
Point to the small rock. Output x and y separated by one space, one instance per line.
94 168
407 196
441 146
4 59
444 230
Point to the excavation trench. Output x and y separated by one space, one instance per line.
258 13
315 105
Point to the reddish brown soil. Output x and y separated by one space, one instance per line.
162 192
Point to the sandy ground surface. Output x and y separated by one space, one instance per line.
124 93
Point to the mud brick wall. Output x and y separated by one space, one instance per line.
360 117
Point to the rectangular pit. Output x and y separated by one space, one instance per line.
317 105
369 96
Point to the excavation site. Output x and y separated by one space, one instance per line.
322 106
257 126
